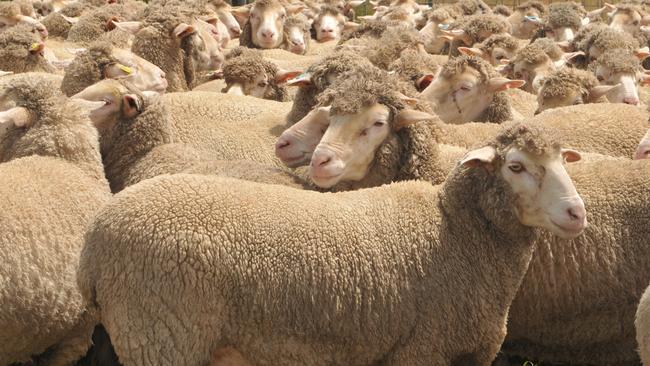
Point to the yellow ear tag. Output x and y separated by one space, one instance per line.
34 46
126 69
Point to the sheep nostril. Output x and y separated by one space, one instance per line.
325 161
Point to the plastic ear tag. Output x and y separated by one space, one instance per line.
300 78
34 46
532 18
443 26
126 69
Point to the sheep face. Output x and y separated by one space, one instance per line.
463 97
141 73
546 196
297 143
229 22
561 34
533 73
267 24
7 22
22 53
573 94
328 26
115 102
643 151
525 22
496 56
348 146
626 20
295 41
627 82
205 49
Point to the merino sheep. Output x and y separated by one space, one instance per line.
496 49
250 74
22 51
11 15
52 184
569 86
642 325
524 20
469 89
475 29
319 77
619 67
297 34
416 67
328 24
563 20
534 62
95 23
264 28
354 325
170 41
101 60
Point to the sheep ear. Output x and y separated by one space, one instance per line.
37 47
87 106
183 30
571 57
355 3
283 75
366 17
295 9
129 27
599 91
407 117
303 79
4 73
424 81
500 84
116 71
210 19
642 53
18 116
407 100
241 14
131 105
348 26
470 51
480 157
458 34
71 20
504 69
610 7
570 156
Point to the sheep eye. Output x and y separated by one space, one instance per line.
516 168
364 132
636 22
262 84
379 124
600 78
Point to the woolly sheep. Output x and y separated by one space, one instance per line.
496 49
297 34
264 28
524 19
563 20
53 183
416 67
355 328
468 89
319 77
250 74
642 325
22 51
569 86
11 15
95 23
328 24
533 63
169 41
502 10
475 29
619 67
101 60
591 285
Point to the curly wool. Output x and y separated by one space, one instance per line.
532 54
457 65
619 61
246 69
443 13
550 47
9 9
56 25
374 28
505 41
608 39
87 68
412 65
502 10
301 22
478 24
565 14
388 48
559 83
320 72
472 7
14 51
531 138
93 24
534 4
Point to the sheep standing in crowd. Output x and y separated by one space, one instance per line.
220 128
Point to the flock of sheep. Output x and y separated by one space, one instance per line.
185 182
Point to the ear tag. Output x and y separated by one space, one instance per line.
126 69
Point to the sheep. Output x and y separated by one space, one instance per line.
619 67
563 20
101 60
227 20
334 330
297 35
601 40
328 24
439 18
53 182
468 89
370 28
58 24
319 77
524 21
591 284
11 15
22 51
496 49
250 74
532 64
169 41
502 10
137 141
265 24
570 86
416 67
475 29
626 18
95 23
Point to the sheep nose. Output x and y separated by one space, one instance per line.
268 34
327 30
538 112
643 152
236 31
282 143
297 42
163 75
576 214
321 160
631 100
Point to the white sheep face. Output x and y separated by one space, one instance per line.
297 143
267 25
328 27
643 150
628 90
626 21
141 73
546 196
296 42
